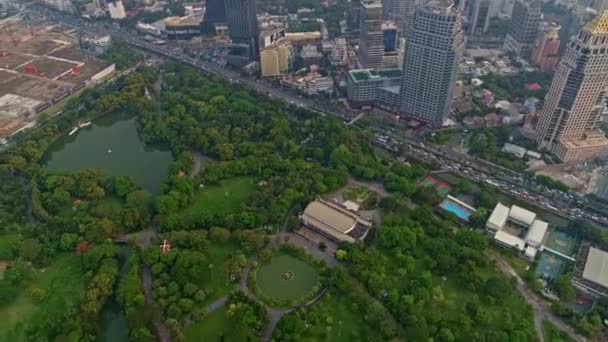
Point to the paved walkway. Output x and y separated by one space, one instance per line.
218 303
541 312
274 314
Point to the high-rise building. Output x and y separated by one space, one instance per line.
215 13
434 48
478 16
569 123
546 47
275 60
401 12
390 37
243 30
339 52
353 18
525 20
600 5
371 47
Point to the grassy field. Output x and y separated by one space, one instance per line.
367 198
7 243
333 319
552 334
224 198
63 282
214 279
273 284
218 327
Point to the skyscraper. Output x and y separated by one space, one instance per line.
371 46
401 12
433 50
215 13
546 47
524 27
478 16
243 31
569 123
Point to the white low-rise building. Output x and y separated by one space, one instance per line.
510 241
521 216
498 218
537 232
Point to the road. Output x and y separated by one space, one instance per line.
541 312
509 182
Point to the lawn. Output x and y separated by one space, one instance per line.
214 279
221 199
7 243
63 282
455 297
286 278
218 327
334 318
553 334
368 199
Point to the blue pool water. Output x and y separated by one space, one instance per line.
456 209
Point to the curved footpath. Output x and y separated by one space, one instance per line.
274 314
541 312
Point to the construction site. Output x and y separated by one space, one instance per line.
40 65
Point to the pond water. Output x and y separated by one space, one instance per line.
112 319
111 144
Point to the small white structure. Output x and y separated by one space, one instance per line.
521 216
533 155
515 150
498 218
536 233
510 241
350 205
530 253
117 10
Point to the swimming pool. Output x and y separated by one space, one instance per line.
455 208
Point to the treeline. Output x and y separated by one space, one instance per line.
415 251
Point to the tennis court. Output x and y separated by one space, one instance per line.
440 186
549 265
561 242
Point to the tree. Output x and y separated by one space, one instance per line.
478 218
30 249
68 241
445 335
38 294
341 254
322 246
217 234
563 285
426 195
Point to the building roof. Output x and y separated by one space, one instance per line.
521 215
599 25
530 252
499 216
537 232
596 267
514 149
330 215
367 74
509 240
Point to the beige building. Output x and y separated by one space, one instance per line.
275 60
334 221
569 123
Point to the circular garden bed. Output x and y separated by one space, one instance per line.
285 277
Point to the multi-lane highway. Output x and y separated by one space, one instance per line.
559 202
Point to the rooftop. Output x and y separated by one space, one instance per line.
537 232
522 215
599 25
596 268
366 74
499 216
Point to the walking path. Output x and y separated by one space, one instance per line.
274 314
218 303
541 312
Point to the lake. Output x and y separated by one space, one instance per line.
111 144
